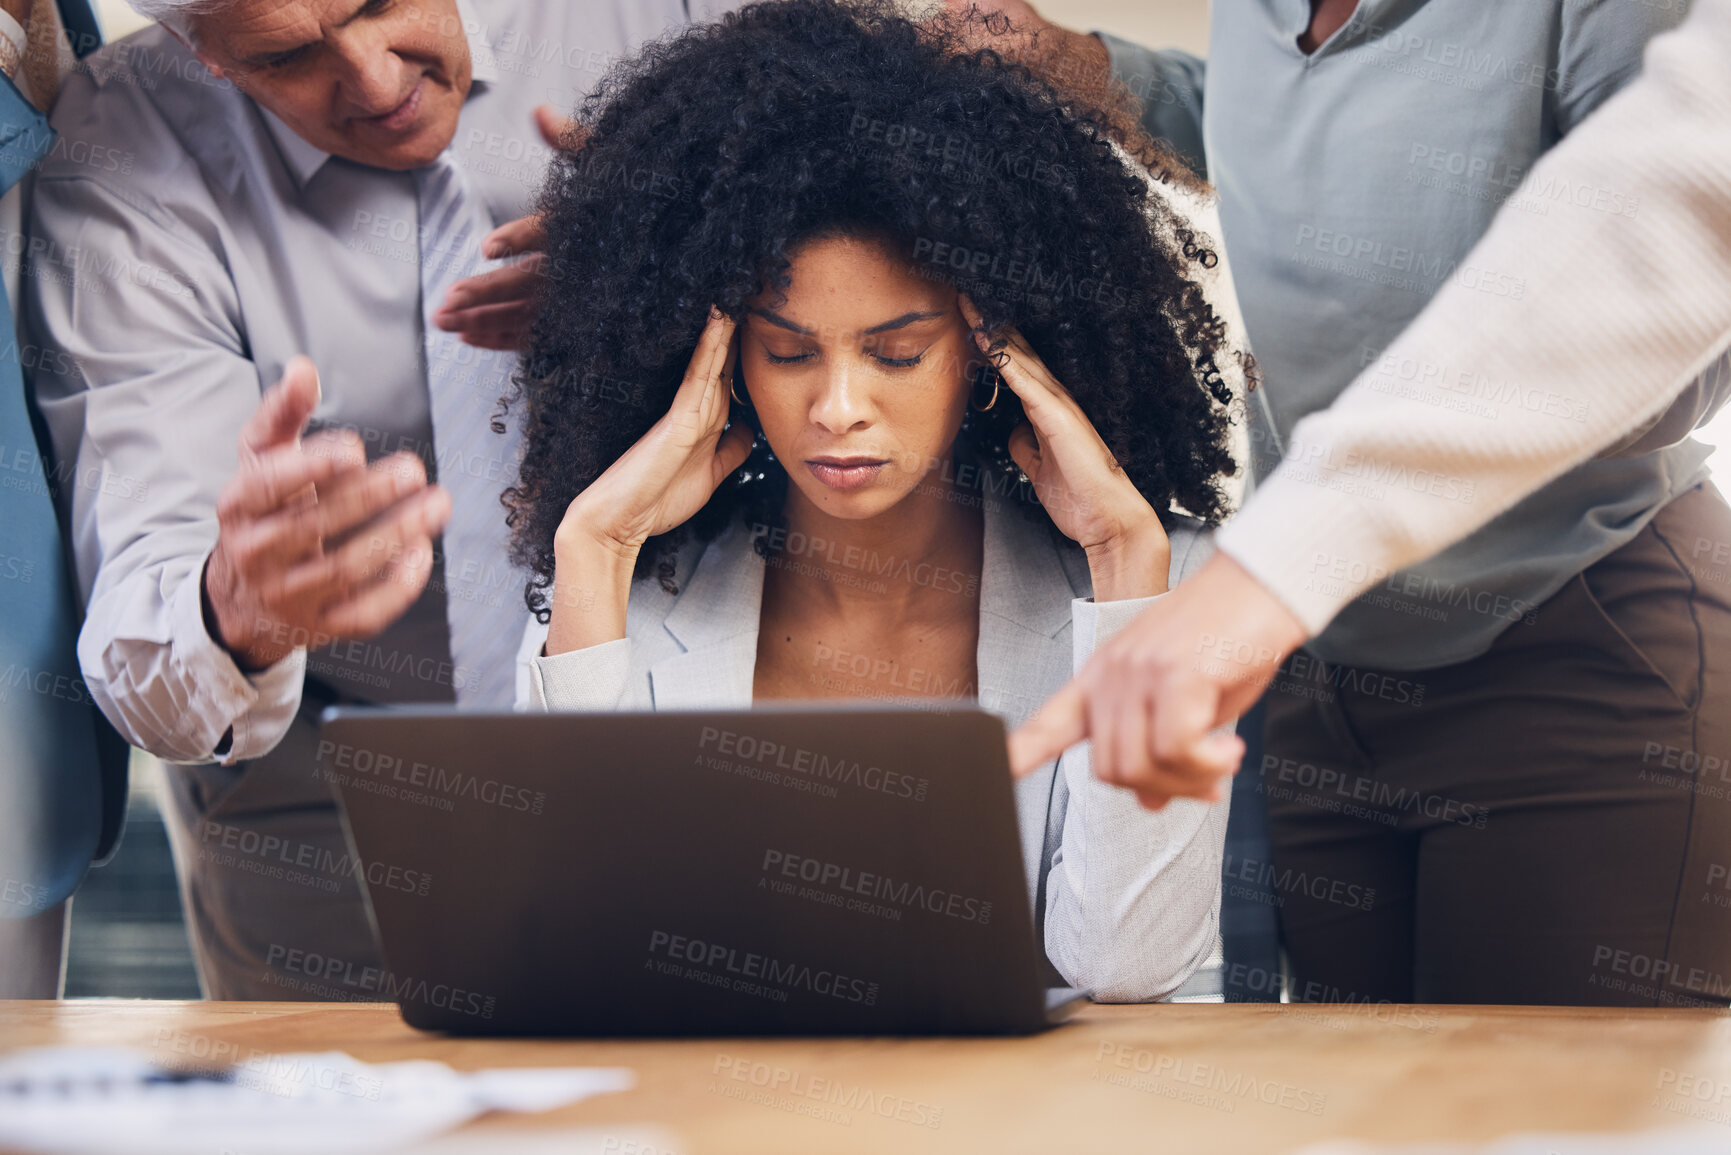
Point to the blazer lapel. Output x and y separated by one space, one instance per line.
1024 648
715 623
1025 596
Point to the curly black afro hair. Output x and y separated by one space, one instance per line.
712 155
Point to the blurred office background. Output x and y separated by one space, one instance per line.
128 939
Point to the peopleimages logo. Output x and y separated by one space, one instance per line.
349 979
25 895
283 857
792 1091
1022 272
868 885
713 963
368 766
761 754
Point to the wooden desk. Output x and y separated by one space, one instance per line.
1171 1079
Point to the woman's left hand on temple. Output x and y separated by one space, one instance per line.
1087 493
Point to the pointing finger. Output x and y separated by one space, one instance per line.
1060 723
1188 711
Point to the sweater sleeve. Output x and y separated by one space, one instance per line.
1623 311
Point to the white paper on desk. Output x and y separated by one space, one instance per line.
74 1100
1673 1141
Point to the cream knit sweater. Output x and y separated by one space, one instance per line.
1619 317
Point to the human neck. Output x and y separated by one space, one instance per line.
925 550
1326 18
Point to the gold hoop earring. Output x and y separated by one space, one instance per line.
979 379
733 392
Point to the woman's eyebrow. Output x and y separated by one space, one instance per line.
779 321
900 322
903 321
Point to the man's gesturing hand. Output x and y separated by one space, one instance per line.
312 544
1152 697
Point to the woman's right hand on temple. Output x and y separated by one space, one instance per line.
659 484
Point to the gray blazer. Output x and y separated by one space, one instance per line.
1128 900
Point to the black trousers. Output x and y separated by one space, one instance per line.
1547 823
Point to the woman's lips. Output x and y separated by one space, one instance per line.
845 473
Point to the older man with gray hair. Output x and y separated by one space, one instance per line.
297 179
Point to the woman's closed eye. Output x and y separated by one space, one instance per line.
881 356
897 354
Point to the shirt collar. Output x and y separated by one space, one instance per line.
304 160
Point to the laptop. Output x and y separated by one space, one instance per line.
786 871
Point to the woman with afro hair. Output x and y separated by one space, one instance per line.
868 366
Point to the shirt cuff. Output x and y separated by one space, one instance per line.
13 42
1093 624
258 708
588 679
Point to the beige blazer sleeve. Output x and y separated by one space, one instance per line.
1132 895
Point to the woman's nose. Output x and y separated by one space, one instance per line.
843 404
